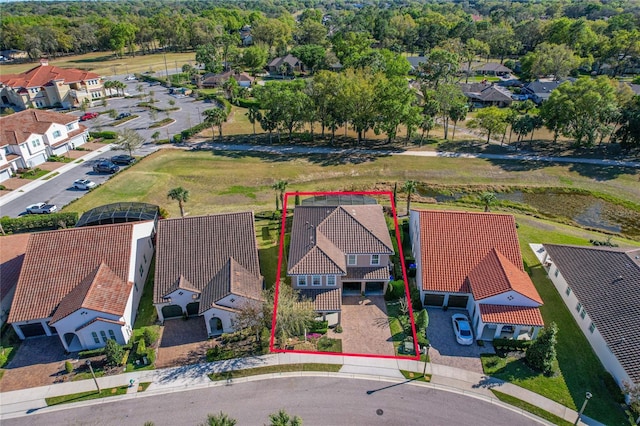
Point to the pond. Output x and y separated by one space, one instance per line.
586 210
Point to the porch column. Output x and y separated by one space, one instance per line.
363 287
498 331
18 331
445 302
159 311
536 329
516 331
47 330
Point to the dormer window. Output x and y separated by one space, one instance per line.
352 259
302 281
375 259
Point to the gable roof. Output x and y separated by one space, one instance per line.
102 290
57 261
17 128
289 59
12 250
486 92
607 283
453 243
516 315
216 254
495 274
43 74
321 236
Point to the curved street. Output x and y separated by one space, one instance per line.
317 400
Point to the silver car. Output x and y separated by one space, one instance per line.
84 184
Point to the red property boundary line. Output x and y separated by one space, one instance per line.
389 194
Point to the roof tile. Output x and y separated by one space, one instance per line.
516 315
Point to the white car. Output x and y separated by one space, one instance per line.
462 329
84 184
129 78
41 208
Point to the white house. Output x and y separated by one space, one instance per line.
207 266
472 261
28 138
83 284
601 288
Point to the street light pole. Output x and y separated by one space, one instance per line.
93 375
584 405
426 349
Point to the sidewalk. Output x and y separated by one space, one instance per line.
23 402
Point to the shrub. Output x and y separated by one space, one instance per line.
150 335
107 134
319 327
91 353
511 344
542 352
248 103
414 293
338 329
141 348
68 367
113 352
29 223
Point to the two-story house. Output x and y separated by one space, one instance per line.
49 86
90 293
28 138
339 250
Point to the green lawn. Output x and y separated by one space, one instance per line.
86 396
530 408
147 314
416 376
284 368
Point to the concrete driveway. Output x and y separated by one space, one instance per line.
365 326
183 342
444 348
38 362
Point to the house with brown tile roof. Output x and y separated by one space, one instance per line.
12 250
601 288
28 138
49 86
83 284
472 261
339 250
207 266
288 63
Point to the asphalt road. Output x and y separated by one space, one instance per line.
318 401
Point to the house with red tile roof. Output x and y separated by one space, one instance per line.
207 266
12 250
49 86
472 261
601 288
338 250
28 138
83 284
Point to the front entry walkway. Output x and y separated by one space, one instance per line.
365 326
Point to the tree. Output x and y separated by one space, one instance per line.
254 57
295 313
549 59
491 120
472 49
128 140
445 98
409 187
280 187
313 56
629 132
488 198
214 117
440 67
281 418
250 317
220 419
271 32
422 320
180 195
632 392
457 112
541 355
253 115
113 353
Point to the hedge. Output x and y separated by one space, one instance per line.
41 222
107 134
91 353
247 103
511 344
319 327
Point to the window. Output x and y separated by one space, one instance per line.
70 126
592 327
103 335
578 306
112 335
331 280
375 259
302 281
351 259
95 337
568 290
316 280
36 142
583 313
57 134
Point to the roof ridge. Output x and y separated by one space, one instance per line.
364 227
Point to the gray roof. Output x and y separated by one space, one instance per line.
322 236
607 283
486 92
216 255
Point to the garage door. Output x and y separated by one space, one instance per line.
458 301
431 299
171 311
31 330
192 308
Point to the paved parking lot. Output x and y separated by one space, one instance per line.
444 348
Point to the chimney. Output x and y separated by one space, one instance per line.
44 62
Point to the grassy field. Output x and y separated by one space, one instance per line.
106 64
230 181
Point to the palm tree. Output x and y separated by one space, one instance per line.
409 187
181 195
108 85
220 419
215 117
280 186
487 199
282 418
254 115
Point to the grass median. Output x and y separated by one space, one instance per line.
284 368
